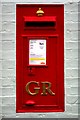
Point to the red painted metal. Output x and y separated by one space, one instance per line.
53 71
36 19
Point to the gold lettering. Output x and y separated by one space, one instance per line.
46 88
36 89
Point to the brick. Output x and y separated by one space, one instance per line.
78 88
72 26
78 81
0 73
7 115
73 63
8 45
71 73
67 7
79 26
68 108
8 26
21 115
74 7
77 1
71 7
78 101
74 35
79 37
0 89
67 116
0 45
0 55
78 6
8 82
0 7
79 16
8 91
0 86
71 45
71 35
0 13
71 99
79 110
74 17
38 1
43 115
71 17
1 36
68 35
75 109
79 72
9 55
9 64
0 65
8 8
67 17
67 90
0 110
71 82
8 17
72 91
8 73
0 25
0 100
7 2
8 36
37 115
9 100
71 54
8 109
1 116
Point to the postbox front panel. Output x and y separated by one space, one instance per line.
40 59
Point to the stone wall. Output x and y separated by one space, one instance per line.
8 60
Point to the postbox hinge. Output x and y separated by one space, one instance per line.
40 12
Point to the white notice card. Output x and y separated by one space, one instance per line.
37 52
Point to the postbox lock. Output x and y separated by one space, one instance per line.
40 12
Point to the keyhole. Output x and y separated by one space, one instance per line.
31 71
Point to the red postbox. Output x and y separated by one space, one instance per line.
40 58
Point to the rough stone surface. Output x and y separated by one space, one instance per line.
8 60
